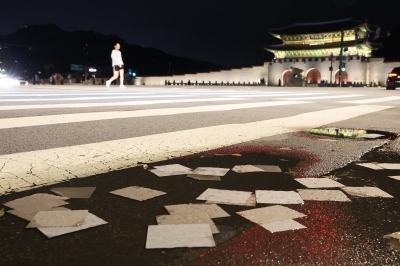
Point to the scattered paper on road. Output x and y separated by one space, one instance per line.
67 218
270 214
370 166
74 192
171 170
390 166
211 171
251 201
35 203
205 177
188 218
269 168
285 225
91 220
278 197
177 236
366 192
138 193
213 210
246 169
395 235
395 177
319 182
225 196
322 195
29 216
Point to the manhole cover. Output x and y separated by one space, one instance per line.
351 133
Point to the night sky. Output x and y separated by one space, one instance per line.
228 32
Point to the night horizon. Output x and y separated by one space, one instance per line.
226 33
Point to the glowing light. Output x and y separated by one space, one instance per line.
7 82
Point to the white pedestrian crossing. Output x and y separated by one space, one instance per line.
107 104
25 170
375 100
322 97
96 116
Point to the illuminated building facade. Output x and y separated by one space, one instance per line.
312 47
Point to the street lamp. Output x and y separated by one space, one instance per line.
331 67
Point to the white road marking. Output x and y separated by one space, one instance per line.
132 103
39 94
321 97
266 95
135 96
92 98
375 100
22 171
96 116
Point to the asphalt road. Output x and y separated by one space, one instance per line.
94 136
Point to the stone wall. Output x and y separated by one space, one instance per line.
379 70
358 69
242 75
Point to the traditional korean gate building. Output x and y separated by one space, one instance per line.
307 46
312 46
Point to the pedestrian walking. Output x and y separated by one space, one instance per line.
118 66
69 77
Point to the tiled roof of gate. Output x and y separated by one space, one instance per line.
321 27
283 47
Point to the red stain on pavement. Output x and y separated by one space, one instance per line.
323 242
306 159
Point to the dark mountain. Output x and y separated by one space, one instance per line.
47 48
391 49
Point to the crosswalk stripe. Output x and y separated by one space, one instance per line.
266 95
321 97
93 98
375 100
140 97
26 170
129 96
69 94
38 94
96 116
131 103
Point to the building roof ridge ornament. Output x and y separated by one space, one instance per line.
322 27
320 23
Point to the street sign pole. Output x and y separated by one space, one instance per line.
331 68
341 59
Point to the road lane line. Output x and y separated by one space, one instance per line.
96 116
143 97
375 100
22 171
321 97
138 93
131 103
294 94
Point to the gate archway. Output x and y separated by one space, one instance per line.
285 77
345 77
313 76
